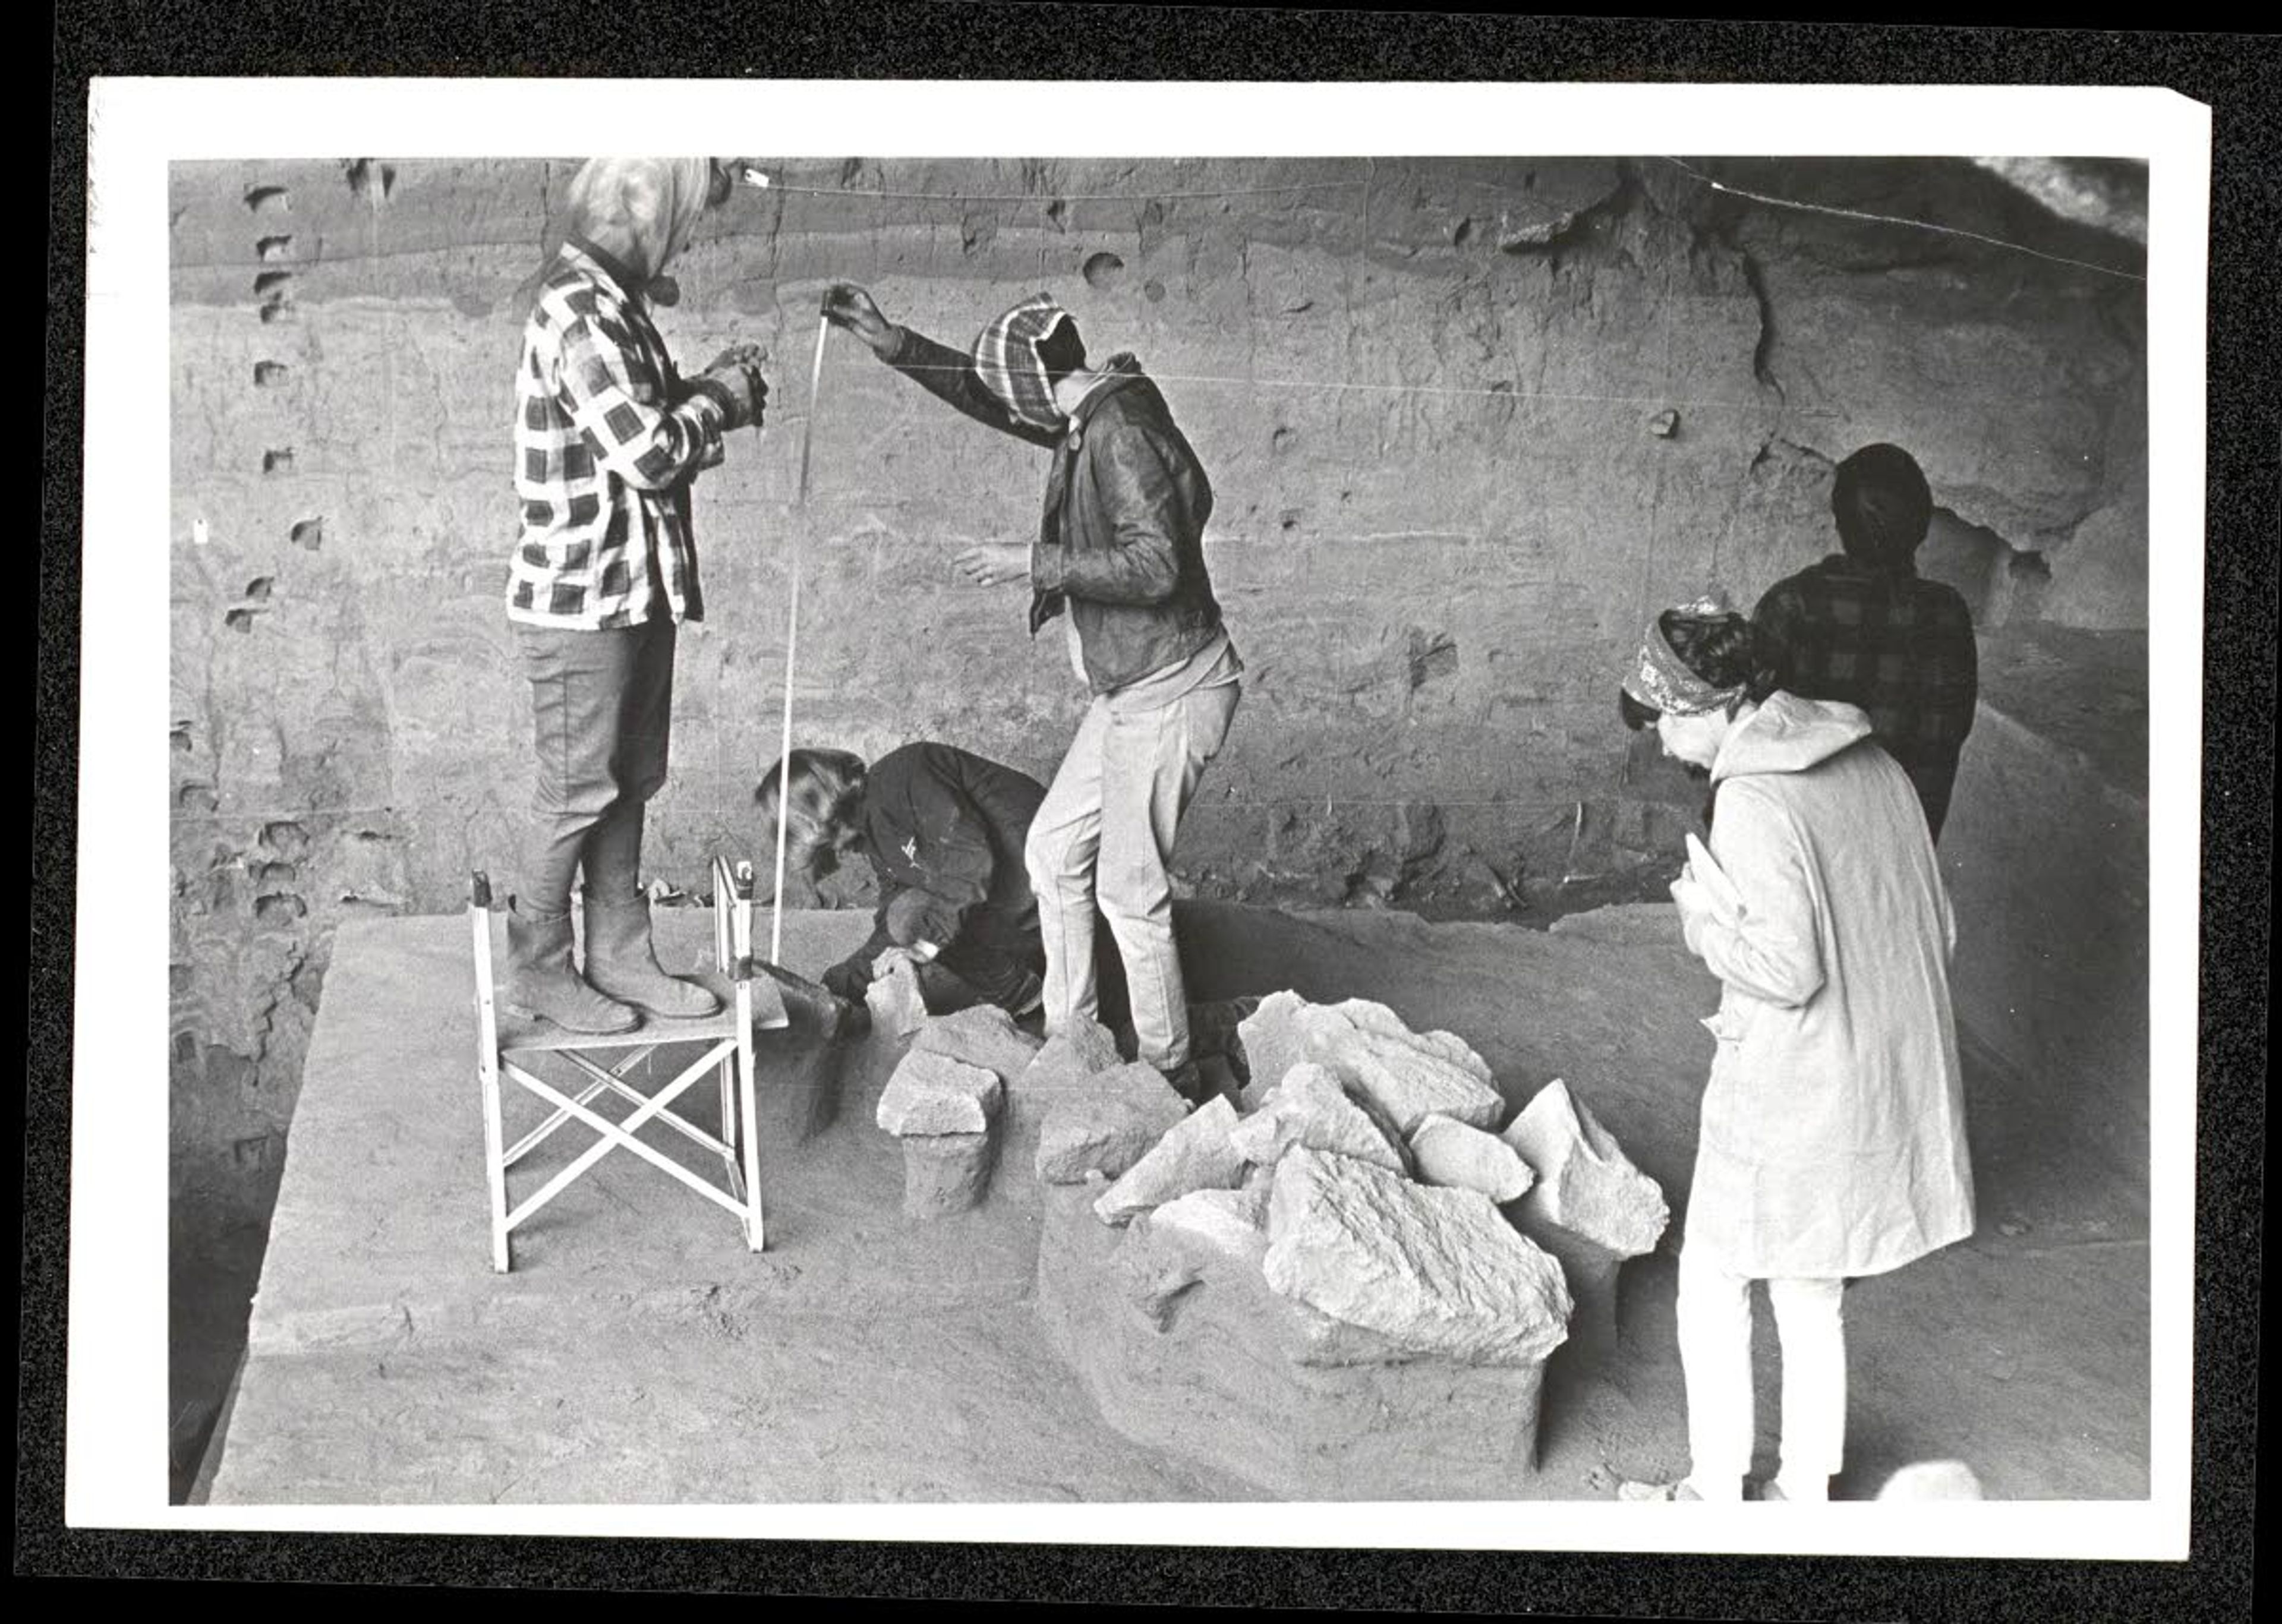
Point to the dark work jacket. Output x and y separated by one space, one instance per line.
1120 542
938 820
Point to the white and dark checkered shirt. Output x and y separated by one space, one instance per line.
607 437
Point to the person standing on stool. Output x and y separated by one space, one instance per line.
1120 549
1832 1144
608 438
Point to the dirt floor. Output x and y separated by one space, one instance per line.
638 1353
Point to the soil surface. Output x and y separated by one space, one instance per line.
639 1353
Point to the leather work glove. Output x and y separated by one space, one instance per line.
736 373
847 979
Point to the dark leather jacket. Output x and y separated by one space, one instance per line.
1120 542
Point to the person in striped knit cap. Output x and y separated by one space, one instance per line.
1120 553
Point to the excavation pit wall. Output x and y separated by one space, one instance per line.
1468 422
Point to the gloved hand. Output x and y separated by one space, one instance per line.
847 979
736 373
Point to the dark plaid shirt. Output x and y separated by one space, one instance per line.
1892 642
607 437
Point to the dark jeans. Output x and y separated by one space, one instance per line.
602 716
967 973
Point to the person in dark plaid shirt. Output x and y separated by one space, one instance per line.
1863 626
607 438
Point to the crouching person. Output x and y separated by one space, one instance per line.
944 831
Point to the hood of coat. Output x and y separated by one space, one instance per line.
1789 735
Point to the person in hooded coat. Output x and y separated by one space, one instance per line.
1833 1141
1120 550
607 438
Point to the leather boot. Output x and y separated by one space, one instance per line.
622 963
541 982
1213 1031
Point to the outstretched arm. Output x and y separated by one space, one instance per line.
941 371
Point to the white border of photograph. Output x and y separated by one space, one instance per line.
116 1458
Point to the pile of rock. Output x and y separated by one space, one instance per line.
1366 1181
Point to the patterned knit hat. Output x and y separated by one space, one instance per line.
1660 679
1006 360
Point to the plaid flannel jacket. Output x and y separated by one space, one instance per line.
1892 642
607 437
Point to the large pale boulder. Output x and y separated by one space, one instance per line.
1068 1067
945 1173
982 1034
1456 1156
1586 1184
1078 1051
1406 1076
1232 1223
1195 1155
931 1093
1433 1272
1309 1107
1108 1126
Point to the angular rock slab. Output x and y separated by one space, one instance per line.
981 1034
1436 1272
1230 1223
1062 1069
1308 1106
1449 1154
895 1001
1195 1155
1078 1051
1189 1352
935 1094
1585 1184
945 1173
1406 1076
1109 1127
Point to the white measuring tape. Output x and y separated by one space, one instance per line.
792 647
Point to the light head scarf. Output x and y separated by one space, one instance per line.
1006 360
1660 679
640 210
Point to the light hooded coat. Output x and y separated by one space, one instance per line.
1833 1140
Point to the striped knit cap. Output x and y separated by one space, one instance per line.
1006 360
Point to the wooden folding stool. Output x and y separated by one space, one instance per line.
507 1047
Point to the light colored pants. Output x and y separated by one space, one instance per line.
1715 1358
1101 838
